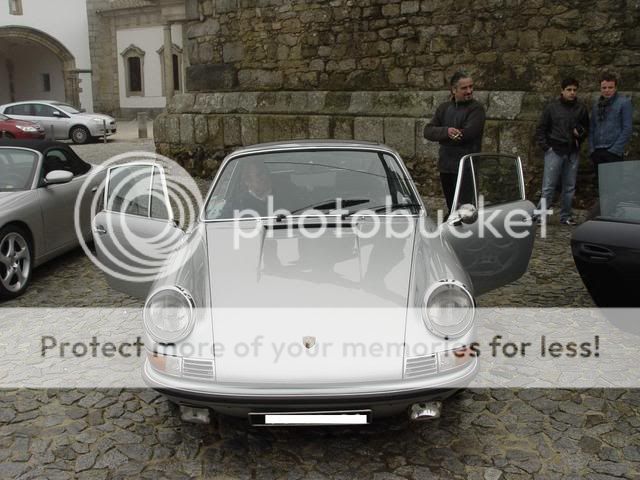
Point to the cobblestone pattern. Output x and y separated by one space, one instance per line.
483 434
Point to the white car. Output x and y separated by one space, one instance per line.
62 121
314 280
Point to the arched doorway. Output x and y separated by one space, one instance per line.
33 64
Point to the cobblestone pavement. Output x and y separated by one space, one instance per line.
482 434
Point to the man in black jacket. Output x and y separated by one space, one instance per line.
457 125
562 128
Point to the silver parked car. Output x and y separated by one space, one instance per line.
65 121
280 303
39 184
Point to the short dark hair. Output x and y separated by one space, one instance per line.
569 81
456 77
608 77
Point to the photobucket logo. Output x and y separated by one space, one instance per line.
391 221
138 205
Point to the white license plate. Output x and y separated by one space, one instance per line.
283 419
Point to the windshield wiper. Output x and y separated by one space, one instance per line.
332 204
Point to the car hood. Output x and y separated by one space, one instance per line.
277 287
11 201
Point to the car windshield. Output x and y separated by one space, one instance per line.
620 191
66 108
296 182
17 167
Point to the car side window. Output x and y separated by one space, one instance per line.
24 109
58 159
45 111
137 190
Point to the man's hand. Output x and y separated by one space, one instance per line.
454 133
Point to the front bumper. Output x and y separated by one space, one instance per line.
384 398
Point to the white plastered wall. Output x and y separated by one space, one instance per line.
150 40
64 20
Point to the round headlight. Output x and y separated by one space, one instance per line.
448 309
168 314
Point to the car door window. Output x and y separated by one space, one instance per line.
496 179
137 189
24 109
46 111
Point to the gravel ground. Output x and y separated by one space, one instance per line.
482 434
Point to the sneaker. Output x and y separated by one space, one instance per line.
569 222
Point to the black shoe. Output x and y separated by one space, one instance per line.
569 222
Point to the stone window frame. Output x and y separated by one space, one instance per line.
15 7
175 50
130 52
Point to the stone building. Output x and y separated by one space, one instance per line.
262 70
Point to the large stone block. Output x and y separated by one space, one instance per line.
214 127
201 131
370 129
159 130
182 103
225 6
172 126
209 27
232 52
505 105
491 136
319 127
208 103
210 78
249 129
279 127
400 133
342 128
425 149
232 130
517 138
260 79
187 136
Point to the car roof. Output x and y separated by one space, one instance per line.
311 144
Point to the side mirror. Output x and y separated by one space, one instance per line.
466 214
56 113
58 176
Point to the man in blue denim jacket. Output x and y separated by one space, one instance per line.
611 126
563 126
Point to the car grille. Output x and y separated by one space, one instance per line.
197 369
418 367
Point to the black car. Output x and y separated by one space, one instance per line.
606 249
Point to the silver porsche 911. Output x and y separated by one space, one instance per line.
316 287
39 184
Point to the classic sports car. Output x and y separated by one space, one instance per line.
606 249
39 183
285 304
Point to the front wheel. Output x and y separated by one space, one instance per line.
80 135
15 261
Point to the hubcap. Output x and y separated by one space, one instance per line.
15 262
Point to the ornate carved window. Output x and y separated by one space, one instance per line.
134 70
15 7
176 55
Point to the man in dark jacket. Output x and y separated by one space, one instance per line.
562 128
457 125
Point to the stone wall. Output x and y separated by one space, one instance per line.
264 70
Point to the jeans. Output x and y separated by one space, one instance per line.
562 167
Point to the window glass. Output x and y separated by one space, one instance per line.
496 179
41 110
159 208
22 109
67 108
299 181
135 74
176 72
57 159
46 82
129 189
619 192
16 169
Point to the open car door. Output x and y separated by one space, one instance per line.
135 232
490 227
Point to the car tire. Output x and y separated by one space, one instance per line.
16 261
80 135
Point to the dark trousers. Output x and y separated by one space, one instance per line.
602 155
449 181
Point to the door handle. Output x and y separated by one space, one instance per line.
596 253
100 230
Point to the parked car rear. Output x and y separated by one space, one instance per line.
62 121
21 129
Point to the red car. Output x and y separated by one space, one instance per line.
10 128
